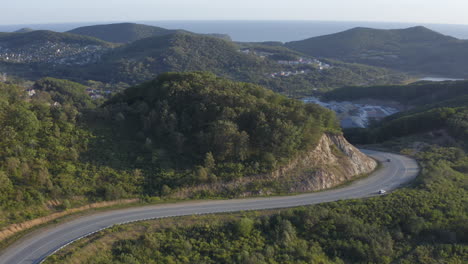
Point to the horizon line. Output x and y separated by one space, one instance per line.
232 20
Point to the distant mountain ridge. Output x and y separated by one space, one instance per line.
24 30
81 58
129 32
121 32
416 49
181 52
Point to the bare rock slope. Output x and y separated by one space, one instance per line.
332 162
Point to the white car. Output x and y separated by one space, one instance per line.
382 191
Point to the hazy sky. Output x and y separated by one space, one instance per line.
58 11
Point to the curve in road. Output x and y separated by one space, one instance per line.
38 246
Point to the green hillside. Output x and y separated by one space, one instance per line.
41 148
122 32
417 50
181 120
179 130
425 222
130 32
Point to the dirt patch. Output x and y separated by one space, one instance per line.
16 228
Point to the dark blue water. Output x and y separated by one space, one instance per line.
264 30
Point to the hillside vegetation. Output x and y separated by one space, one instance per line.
65 92
416 49
179 130
422 223
426 223
214 127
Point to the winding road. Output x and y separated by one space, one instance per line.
37 246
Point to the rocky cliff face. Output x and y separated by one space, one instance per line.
332 162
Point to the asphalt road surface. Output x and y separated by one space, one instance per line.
37 246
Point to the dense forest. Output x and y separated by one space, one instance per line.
58 149
41 145
426 223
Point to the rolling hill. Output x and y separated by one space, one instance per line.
129 32
122 32
24 30
417 49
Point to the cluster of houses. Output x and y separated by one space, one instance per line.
288 73
53 53
304 61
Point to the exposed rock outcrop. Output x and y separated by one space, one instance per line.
335 161
332 162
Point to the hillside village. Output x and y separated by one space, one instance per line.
52 53
316 64
300 61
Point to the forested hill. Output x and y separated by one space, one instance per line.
130 32
24 30
144 59
180 130
416 49
122 32
187 118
